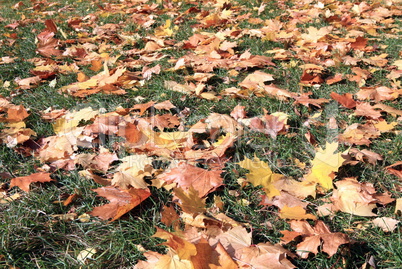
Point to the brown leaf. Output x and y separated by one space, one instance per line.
47 44
24 182
16 113
314 237
305 100
238 112
170 217
188 176
377 93
359 134
190 201
395 169
121 202
346 99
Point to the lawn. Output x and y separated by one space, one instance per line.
214 134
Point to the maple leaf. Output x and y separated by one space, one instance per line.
28 83
271 124
47 44
261 175
359 134
346 99
314 237
296 212
325 163
365 155
377 93
237 242
169 217
305 100
238 112
184 249
24 182
385 223
354 197
395 169
132 170
190 201
315 34
189 176
255 80
15 133
121 202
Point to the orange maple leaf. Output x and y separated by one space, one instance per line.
121 201
24 182
189 176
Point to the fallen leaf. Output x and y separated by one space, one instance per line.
325 164
261 175
188 176
86 254
24 182
121 202
314 237
395 169
354 197
385 223
296 213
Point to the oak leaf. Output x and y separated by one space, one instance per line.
24 182
121 202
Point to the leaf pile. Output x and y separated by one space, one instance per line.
159 146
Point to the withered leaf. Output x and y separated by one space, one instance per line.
121 201
24 182
314 237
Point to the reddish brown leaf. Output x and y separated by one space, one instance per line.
313 237
16 113
346 99
121 202
24 182
305 100
395 169
47 44
238 112
187 176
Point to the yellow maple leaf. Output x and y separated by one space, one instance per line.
190 201
71 120
295 212
261 175
325 163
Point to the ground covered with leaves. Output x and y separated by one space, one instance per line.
210 134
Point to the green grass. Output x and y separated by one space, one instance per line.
32 237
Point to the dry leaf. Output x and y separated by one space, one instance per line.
24 182
121 202
314 237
